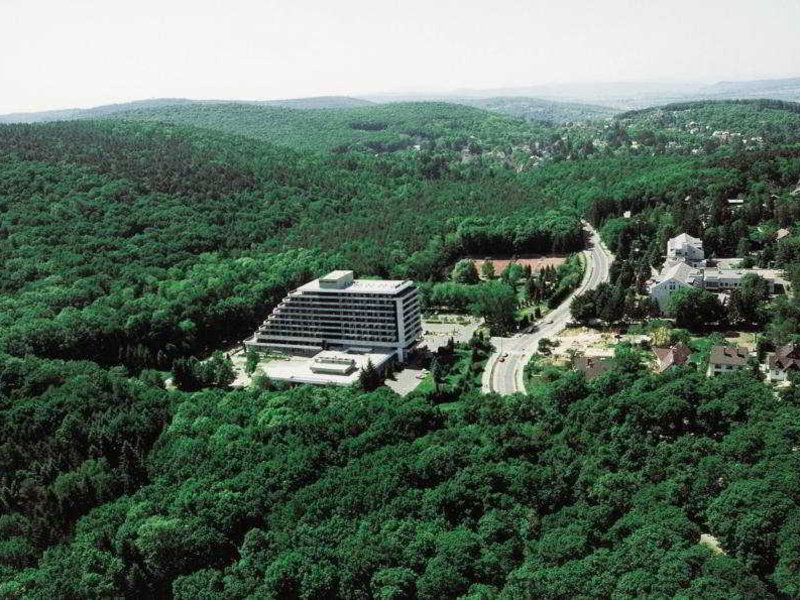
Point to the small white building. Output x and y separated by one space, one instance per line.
671 278
685 248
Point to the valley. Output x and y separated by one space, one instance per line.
575 439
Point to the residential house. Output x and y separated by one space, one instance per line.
783 361
668 358
685 248
782 233
591 366
727 359
671 278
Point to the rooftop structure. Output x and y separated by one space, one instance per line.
339 312
782 233
727 359
672 357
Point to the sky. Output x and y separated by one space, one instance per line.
82 53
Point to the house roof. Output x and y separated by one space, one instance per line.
782 233
673 356
680 272
786 357
729 355
684 239
592 366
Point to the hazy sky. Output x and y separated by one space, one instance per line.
68 53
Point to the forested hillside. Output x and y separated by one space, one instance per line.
122 239
128 245
328 102
535 109
379 128
577 491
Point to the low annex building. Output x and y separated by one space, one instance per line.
339 312
727 359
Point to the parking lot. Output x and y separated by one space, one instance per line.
406 381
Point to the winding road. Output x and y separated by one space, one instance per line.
506 377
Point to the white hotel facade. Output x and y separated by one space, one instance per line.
339 312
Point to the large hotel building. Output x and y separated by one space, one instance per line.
339 312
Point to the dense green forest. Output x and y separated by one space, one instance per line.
147 240
130 246
382 127
534 109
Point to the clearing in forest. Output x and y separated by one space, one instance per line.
536 262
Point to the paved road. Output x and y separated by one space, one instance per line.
506 377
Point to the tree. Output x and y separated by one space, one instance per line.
251 361
584 308
370 378
694 308
747 301
396 583
487 269
218 371
496 302
546 346
513 273
465 272
190 374
437 373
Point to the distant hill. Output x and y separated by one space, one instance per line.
330 102
623 95
373 127
778 89
318 102
70 114
749 122
536 109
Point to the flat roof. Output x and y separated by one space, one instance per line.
298 369
360 286
715 273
